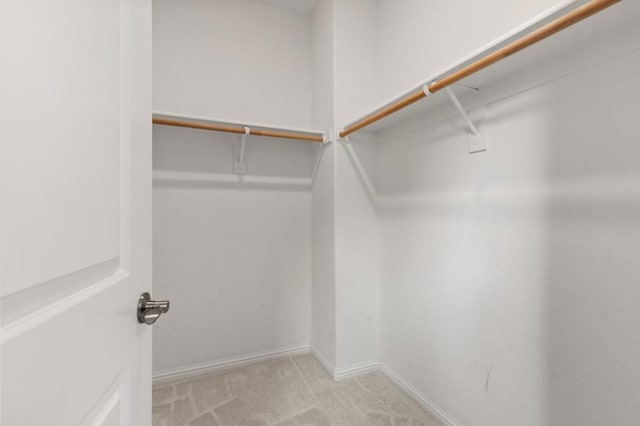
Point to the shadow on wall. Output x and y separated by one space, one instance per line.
509 278
196 158
593 249
362 152
233 257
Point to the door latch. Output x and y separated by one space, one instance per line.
150 310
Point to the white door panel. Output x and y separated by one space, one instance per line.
44 380
61 73
75 211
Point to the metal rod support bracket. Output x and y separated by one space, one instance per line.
327 137
477 138
333 136
472 127
426 90
240 163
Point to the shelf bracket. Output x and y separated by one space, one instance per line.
240 162
472 127
329 137
477 138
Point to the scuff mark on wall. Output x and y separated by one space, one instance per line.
488 377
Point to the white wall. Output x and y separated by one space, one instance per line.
233 257
323 324
240 60
345 273
500 285
509 278
356 223
419 38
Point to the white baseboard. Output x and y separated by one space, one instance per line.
426 403
337 374
343 373
224 364
355 369
328 367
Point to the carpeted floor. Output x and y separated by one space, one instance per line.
287 391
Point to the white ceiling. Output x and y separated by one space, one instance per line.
301 6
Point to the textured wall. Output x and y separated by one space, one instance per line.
509 278
323 295
234 258
240 60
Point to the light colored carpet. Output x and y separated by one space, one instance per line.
290 391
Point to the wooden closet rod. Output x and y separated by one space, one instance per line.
238 129
541 33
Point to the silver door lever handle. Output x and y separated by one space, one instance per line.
150 310
161 305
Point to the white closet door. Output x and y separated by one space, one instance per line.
75 141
